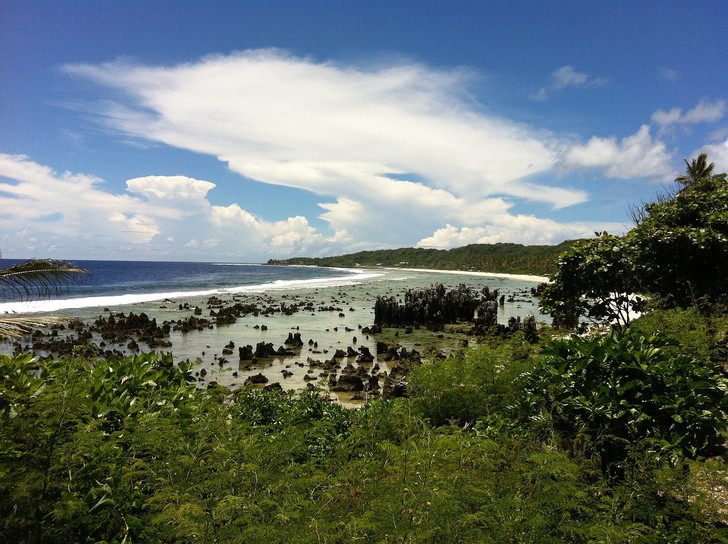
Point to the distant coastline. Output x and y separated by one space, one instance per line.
537 261
524 277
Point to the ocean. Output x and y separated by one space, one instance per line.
115 283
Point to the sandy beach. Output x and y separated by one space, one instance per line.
524 277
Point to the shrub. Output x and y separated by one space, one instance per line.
625 387
470 385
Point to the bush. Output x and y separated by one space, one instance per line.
622 388
470 385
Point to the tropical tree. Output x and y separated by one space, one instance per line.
32 279
680 249
596 279
677 255
696 170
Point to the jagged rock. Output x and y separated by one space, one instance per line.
365 355
264 350
284 352
348 383
432 307
294 339
256 379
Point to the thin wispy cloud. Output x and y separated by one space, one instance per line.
668 74
565 77
704 112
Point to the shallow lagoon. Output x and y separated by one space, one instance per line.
351 298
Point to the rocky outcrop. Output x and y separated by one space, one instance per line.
435 306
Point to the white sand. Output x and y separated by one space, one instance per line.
524 277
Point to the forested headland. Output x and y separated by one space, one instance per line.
500 258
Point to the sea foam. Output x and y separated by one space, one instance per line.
54 305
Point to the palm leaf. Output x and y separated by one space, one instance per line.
696 170
17 326
38 278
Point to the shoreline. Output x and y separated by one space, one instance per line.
330 315
353 276
524 277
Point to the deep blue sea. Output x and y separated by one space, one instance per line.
121 282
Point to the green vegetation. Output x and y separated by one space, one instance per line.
625 390
128 451
500 258
615 437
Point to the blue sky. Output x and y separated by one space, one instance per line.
241 131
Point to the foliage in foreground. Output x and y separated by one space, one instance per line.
625 390
35 278
128 451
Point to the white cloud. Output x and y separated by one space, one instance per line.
345 133
637 155
326 128
45 211
76 201
171 188
233 215
391 151
718 155
523 229
704 112
568 76
564 77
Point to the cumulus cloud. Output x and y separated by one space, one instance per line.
637 155
171 188
564 77
71 213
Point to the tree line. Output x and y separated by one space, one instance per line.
501 258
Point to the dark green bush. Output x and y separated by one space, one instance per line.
623 389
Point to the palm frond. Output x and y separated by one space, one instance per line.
696 170
38 278
17 326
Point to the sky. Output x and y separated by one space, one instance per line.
240 131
